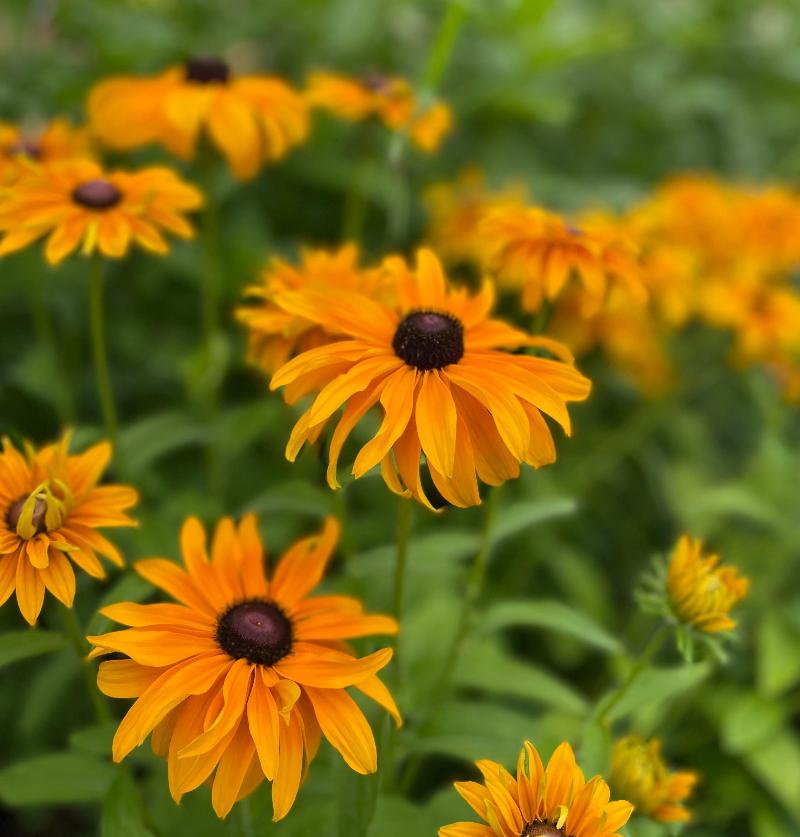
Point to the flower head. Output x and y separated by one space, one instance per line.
387 98
440 371
78 203
58 140
275 333
552 801
639 773
50 509
700 592
250 119
244 675
537 250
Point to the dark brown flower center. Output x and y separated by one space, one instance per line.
14 513
207 69
429 340
97 194
541 829
256 630
27 148
377 83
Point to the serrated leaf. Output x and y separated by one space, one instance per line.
552 615
123 810
22 645
485 666
55 779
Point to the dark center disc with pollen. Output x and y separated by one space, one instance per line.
206 70
429 340
541 829
37 519
256 630
97 194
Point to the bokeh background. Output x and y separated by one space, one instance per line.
587 104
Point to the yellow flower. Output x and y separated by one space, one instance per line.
78 203
456 209
389 99
701 593
275 333
537 251
58 140
50 509
244 675
555 801
638 772
439 369
250 119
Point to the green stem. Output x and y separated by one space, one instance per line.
443 45
645 658
245 814
476 578
74 634
97 327
45 335
404 514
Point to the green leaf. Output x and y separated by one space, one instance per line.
777 766
123 810
542 613
356 796
594 754
94 740
485 666
130 587
654 686
749 721
21 645
143 443
778 663
55 779
516 518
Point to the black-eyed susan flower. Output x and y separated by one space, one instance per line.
51 507
639 773
250 119
78 203
552 801
387 98
456 210
441 372
538 251
702 593
244 675
58 140
274 333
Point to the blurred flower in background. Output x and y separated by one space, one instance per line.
22 149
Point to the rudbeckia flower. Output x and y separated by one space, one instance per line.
274 333
552 801
443 376
250 119
244 675
77 203
538 251
639 773
58 140
50 509
389 99
701 593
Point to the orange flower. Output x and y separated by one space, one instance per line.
58 140
50 509
552 801
445 377
702 593
244 675
78 203
389 99
275 333
537 251
639 773
250 119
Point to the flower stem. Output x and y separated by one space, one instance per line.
245 813
404 515
99 354
74 634
645 658
443 45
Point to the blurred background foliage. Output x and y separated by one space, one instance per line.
587 104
